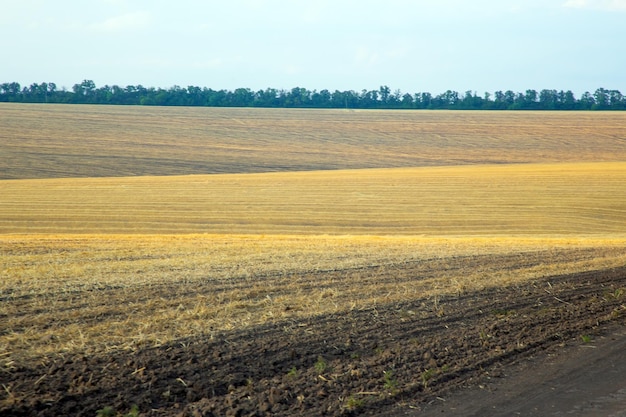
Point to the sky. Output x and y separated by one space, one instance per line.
410 45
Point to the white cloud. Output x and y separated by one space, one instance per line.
608 5
126 22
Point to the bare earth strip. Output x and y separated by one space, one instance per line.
582 380
44 141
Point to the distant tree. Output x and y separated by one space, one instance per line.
395 99
87 92
548 99
447 100
10 91
487 104
601 98
35 93
509 98
177 96
499 102
345 99
320 99
84 92
407 101
384 94
418 101
298 97
218 98
530 100
242 97
471 101
615 99
567 100
608 100
195 96
586 101
266 98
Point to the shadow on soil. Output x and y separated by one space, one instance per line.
391 360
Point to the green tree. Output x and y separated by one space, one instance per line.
266 98
509 98
298 97
385 92
84 92
500 102
530 99
548 99
425 100
471 101
617 100
586 101
601 98
242 97
321 99
567 101
407 101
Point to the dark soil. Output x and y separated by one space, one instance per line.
390 360
584 380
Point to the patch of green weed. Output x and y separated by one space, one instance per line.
321 365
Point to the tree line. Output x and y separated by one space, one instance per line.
382 98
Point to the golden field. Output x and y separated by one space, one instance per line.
123 227
531 199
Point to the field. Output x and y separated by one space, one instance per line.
252 262
42 141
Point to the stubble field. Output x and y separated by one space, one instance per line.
43 141
256 262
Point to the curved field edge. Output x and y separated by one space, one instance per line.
531 199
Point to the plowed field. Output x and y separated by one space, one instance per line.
390 359
154 262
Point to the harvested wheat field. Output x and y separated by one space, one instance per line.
212 262
46 141
532 199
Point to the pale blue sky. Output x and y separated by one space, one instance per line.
411 45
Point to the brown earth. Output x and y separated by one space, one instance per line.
399 359
578 380
62 141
